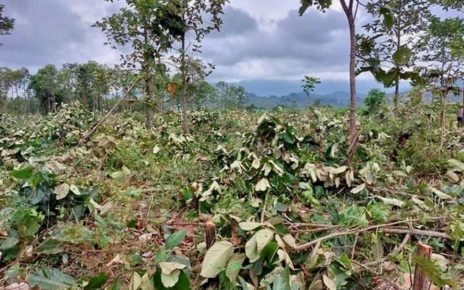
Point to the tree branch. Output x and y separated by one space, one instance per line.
94 128
384 228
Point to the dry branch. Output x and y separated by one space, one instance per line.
103 119
387 228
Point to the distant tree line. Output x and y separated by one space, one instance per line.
97 86
402 41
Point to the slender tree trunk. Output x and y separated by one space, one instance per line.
353 128
443 98
462 90
49 104
353 131
148 84
185 121
148 94
396 97
85 98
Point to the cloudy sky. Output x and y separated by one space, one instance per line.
260 39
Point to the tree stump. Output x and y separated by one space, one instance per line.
420 280
210 234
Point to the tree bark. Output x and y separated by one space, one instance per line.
443 98
396 97
420 280
353 131
148 84
148 100
184 101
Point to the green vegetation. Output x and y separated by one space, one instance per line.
130 204
375 101
146 176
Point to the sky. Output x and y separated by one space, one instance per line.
260 39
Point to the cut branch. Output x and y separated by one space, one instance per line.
383 228
102 120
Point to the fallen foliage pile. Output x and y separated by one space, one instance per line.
248 201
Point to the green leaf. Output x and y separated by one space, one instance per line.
116 285
27 221
49 247
175 239
97 282
402 55
353 216
216 259
433 272
23 173
378 211
269 252
320 4
51 279
388 20
8 243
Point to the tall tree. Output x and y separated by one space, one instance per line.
444 60
149 27
350 8
6 23
19 79
196 88
309 84
44 84
12 82
5 84
389 48
199 17
67 81
231 96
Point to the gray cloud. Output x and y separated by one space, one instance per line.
287 48
49 31
237 22
256 42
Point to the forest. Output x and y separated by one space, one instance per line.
147 175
